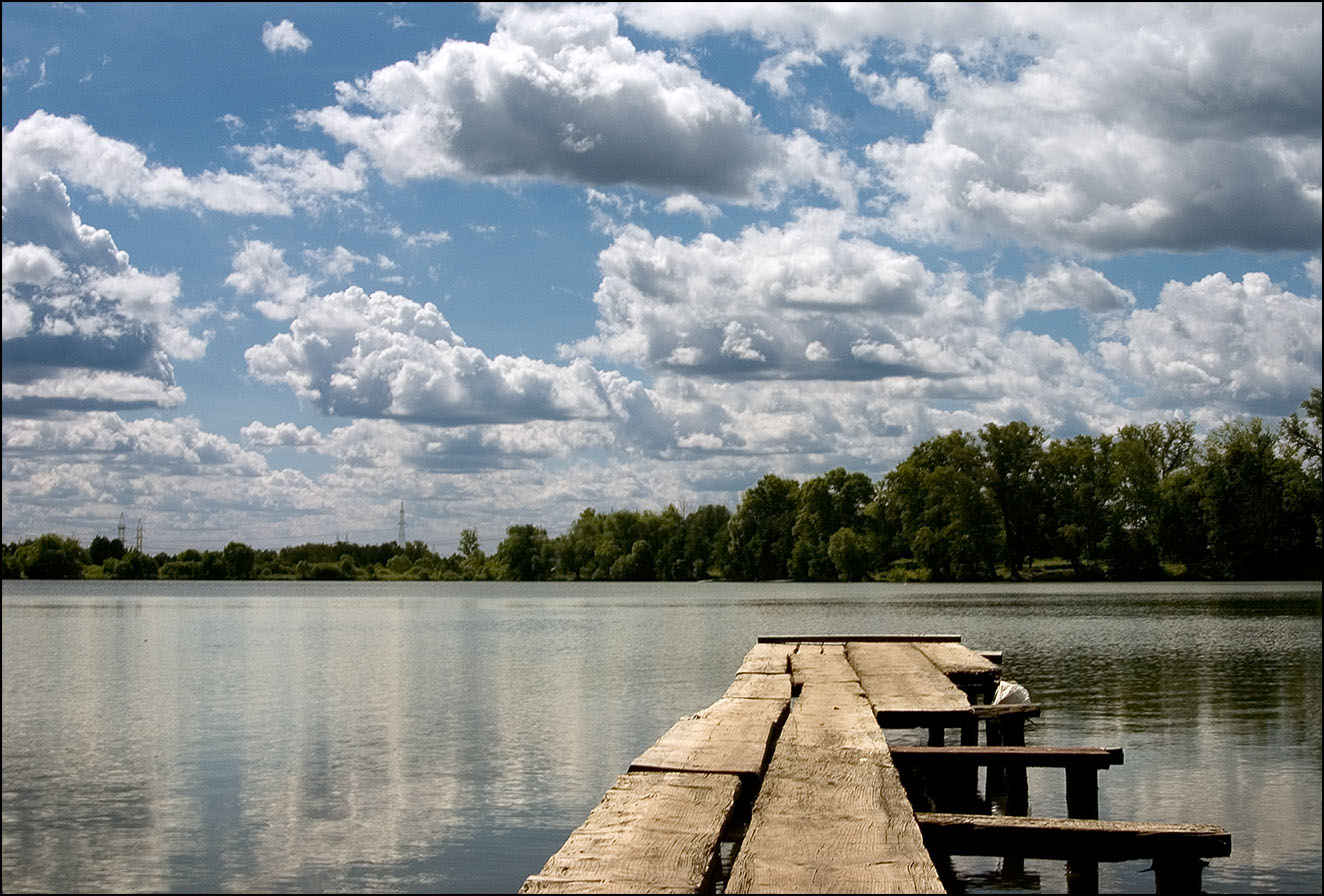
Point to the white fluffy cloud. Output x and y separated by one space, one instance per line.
558 93
284 179
1198 130
357 354
284 38
259 268
809 300
1194 135
83 328
1217 346
94 466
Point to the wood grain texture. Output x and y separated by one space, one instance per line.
653 832
958 662
759 686
733 736
767 658
898 678
831 815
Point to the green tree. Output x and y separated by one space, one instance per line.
1247 494
469 560
945 514
850 554
1301 442
524 554
760 533
1301 437
836 500
133 565
576 548
667 540
1131 546
103 548
238 558
706 533
1078 481
51 556
1014 454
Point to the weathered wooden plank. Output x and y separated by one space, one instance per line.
901 681
760 686
1036 757
733 736
653 832
831 815
1067 838
767 658
822 662
958 662
841 639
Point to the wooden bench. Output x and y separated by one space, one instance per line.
831 815
1176 850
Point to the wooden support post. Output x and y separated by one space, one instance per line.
1082 792
1178 874
970 733
969 778
1018 787
1082 802
937 735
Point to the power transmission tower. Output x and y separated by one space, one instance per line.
119 531
138 540
400 539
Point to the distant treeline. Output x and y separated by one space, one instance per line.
1145 502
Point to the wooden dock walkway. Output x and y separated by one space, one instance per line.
787 784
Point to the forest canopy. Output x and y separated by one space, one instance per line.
1007 502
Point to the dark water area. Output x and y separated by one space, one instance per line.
424 737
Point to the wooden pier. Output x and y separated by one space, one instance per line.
787 784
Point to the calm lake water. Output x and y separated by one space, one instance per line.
423 737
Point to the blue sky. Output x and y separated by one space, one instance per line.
272 269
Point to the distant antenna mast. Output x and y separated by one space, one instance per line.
119 532
400 539
138 540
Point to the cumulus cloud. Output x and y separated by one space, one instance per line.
284 38
556 93
260 268
1201 133
1071 285
810 300
377 355
260 435
283 179
1043 128
1221 346
83 328
190 486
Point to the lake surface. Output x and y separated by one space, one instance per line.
425 737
